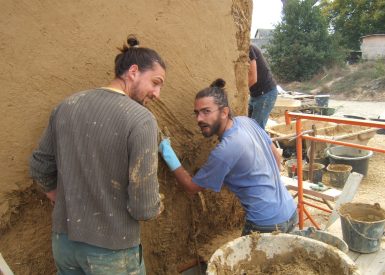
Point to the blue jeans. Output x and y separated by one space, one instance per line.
284 227
77 258
261 106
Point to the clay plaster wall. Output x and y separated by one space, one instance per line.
51 49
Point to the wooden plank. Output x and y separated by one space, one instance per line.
329 194
4 268
347 195
373 263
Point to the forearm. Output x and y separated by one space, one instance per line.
43 170
277 156
185 180
182 176
252 77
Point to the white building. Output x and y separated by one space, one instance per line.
373 46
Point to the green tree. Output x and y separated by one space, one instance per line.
301 44
355 18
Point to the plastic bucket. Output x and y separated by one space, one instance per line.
289 167
322 100
362 226
322 236
338 174
259 253
357 158
317 172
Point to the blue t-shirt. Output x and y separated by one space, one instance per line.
244 161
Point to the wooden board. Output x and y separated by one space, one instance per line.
347 195
4 268
331 194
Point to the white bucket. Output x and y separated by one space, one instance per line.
256 249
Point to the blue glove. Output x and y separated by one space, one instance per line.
168 154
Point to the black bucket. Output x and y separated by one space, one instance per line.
322 100
357 158
379 131
362 226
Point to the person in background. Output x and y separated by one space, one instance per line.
97 162
262 86
245 160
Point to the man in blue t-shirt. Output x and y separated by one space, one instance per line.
245 160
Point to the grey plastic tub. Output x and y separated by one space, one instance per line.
357 158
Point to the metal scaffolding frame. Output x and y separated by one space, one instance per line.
299 134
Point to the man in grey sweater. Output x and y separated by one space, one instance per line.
97 162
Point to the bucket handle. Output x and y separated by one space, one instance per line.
359 233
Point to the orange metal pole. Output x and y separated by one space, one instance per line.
318 207
358 122
311 219
298 128
359 146
287 117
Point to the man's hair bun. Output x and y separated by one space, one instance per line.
132 41
219 82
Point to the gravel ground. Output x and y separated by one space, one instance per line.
358 108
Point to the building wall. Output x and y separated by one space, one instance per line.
373 47
52 49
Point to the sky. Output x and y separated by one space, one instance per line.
266 13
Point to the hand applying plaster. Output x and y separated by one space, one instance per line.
168 154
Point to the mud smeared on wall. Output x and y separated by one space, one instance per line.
51 50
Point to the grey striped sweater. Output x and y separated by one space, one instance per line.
99 152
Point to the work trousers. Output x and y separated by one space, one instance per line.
261 106
284 227
77 258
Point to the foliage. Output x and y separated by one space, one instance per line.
301 44
363 77
353 19
379 68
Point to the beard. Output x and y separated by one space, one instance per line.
211 130
136 94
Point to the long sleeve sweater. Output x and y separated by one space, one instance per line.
99 152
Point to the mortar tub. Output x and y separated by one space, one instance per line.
249 254
362 226
322 236
351 133
355 117
282 129
338 174
357 158
347 133
283 104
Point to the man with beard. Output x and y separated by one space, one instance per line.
97 162
245 160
